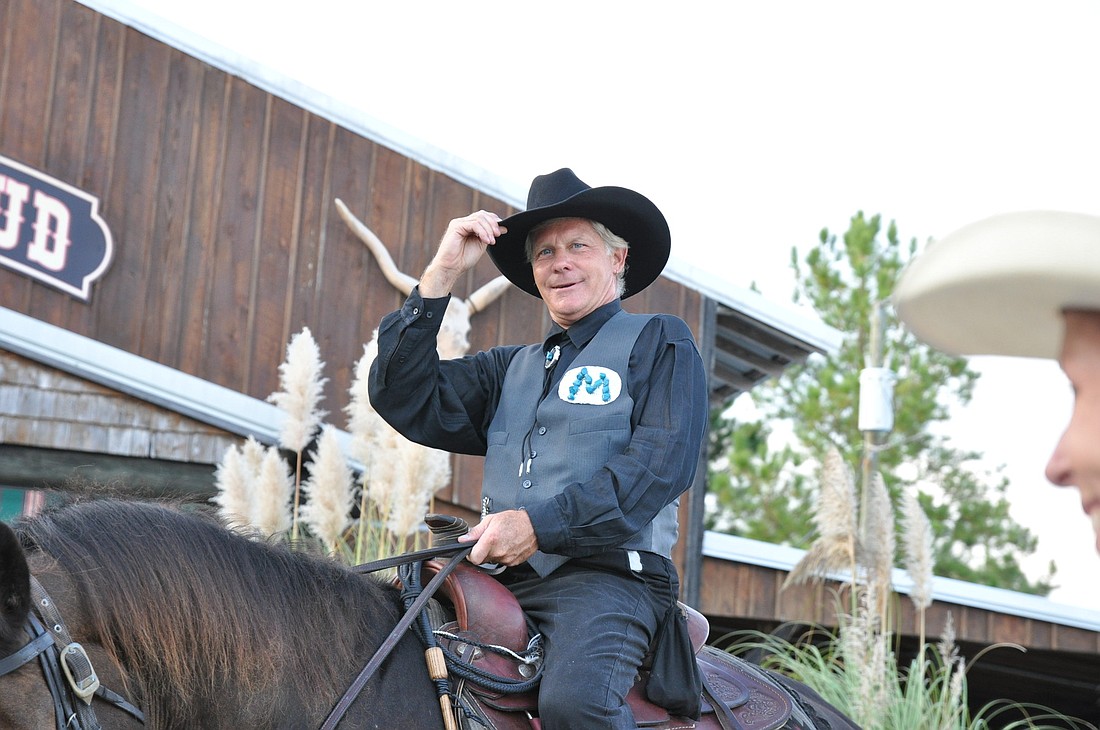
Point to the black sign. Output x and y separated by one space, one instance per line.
51 231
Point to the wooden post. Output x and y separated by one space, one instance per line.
871 439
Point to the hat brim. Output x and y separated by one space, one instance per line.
1000 286
626 213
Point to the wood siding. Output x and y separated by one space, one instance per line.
219 197
754 593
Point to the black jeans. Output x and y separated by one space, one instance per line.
598 619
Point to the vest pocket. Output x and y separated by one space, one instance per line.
497 438
599 423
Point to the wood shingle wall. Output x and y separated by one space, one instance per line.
46 408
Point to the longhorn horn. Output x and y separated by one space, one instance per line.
401 281
487 294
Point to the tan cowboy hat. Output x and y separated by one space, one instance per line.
999 286
561 194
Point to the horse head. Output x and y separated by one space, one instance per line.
50 668
195 625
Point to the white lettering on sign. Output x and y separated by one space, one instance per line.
13 195
51 232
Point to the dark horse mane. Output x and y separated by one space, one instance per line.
206 613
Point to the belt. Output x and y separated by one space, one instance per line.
616 561
628 561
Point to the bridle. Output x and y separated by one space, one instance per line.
73 682
68 671
457 554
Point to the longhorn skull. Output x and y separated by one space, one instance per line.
453 340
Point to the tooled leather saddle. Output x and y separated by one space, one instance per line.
737 695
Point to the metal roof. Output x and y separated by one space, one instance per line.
754 338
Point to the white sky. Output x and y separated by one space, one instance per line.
752 125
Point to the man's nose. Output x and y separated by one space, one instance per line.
563 261
1059 469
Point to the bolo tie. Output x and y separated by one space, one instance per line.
552 356
526 454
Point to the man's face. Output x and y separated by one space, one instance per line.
573 270
1076 458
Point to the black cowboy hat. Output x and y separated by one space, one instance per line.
562 194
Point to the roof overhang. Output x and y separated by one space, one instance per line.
754 338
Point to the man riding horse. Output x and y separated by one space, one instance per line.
589 436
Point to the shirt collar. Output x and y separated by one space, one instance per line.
586 328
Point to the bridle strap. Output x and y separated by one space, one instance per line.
402 626
43 647
120 702
65 667
30 650
70 665
65 712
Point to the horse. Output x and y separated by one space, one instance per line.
190 624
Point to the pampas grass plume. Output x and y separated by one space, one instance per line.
234 483
327 510
363 421
948 649
253 454
271 498
399 477
302 384
917 538
373 441
880 542
836 520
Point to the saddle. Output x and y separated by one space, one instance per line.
737 695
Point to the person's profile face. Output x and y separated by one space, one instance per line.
1076 459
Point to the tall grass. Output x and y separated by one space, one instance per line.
856 668
312 499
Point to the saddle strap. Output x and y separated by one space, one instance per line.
722 712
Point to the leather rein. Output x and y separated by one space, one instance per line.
68 671
458 554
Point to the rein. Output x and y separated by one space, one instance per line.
66 667
458 553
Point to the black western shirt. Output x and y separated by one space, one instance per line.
449 404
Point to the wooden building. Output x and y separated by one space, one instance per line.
208 190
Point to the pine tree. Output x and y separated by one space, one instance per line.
762 472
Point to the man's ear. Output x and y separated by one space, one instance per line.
620 255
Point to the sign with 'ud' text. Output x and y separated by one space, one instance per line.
50 230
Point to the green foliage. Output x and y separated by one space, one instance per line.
762 481
929 694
